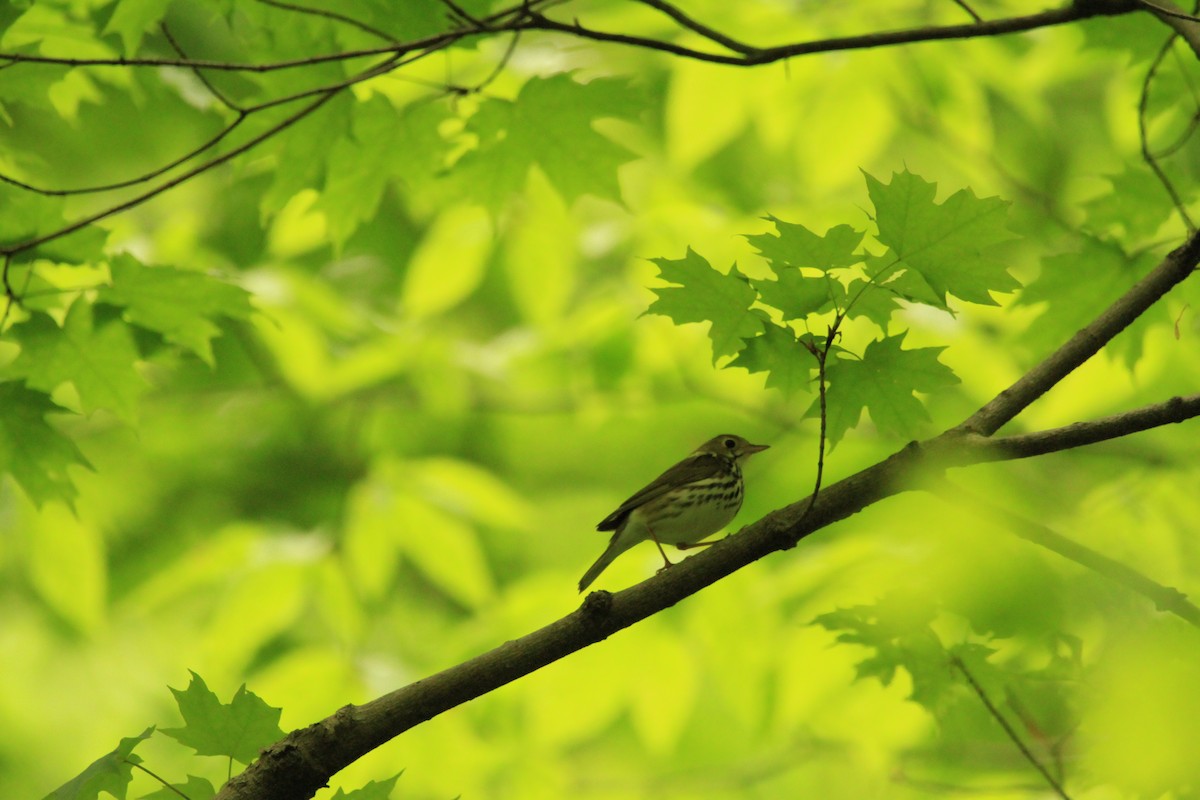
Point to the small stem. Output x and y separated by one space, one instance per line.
1008 729
157 778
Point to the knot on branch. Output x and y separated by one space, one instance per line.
596 605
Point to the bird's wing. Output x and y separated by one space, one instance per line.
687 471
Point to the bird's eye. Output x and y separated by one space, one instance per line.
730 443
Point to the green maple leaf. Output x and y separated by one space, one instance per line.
951 245
797 246
29 216
31 450
110 773
374 790
360 168
703 294
1137 204
194 789
179 304
1077 286
549 126
883 382
780 354
900 634
98 359
238 729
863 298
131 19
797 295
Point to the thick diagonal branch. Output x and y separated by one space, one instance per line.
304 761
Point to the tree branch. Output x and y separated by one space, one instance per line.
1165 598
1085 343
758 56
305 759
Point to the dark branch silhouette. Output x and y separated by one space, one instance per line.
304 761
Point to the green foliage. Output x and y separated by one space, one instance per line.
96 357
701 293
350 403
180 305
883 381
935 250
193 789
238 729
32 451
550 126
951 245
110 773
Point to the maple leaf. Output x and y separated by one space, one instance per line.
780 354
797 246
549 126
31 450
110 773
883 382
179 304
952 244
98 359
238 729
703 294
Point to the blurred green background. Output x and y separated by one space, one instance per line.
399 461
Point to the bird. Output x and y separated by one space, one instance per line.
690 501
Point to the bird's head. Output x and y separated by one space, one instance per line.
731 446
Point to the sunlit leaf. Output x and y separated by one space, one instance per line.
703 294
238 729
952 243
110 773
97 358
788 364
549 125
883 382
181 305
35 453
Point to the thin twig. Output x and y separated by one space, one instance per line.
1165 598
963 5
529 18
331 15
138 765
1081 434
697 27
1144 136
143 178
199 73
769 55
1008 729
1174 269
1168 12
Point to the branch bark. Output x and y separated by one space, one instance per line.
303 761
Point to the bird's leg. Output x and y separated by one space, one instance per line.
694 545
666 561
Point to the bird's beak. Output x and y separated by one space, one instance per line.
751 449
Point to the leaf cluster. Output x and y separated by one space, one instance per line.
790 325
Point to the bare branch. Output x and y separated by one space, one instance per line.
331 15
768 55
1009 731
1177 266
528 17
696 27
305 759
1079 434
1165 598
1144 136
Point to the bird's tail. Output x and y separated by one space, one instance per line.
616 546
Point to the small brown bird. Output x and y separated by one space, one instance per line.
691 501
